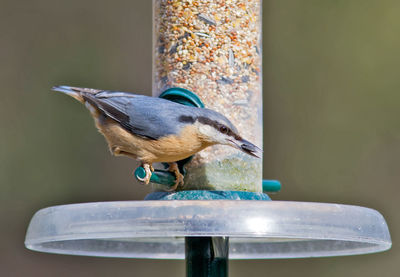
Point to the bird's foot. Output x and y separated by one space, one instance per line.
173 167
148 168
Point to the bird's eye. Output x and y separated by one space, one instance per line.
223 129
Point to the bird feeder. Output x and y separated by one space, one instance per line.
208 53
213 48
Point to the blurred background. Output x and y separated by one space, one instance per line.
331 120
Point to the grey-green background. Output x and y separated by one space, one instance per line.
331 120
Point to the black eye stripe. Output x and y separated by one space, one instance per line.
206 121
186 119
217 126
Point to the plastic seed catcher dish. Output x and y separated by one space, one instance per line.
256 229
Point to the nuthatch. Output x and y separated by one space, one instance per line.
152 129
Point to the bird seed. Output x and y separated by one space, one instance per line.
212 47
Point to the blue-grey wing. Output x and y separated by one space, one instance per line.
145 116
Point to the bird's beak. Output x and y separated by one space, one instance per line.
247 147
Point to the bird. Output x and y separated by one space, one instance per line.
152 129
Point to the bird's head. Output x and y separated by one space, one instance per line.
214 128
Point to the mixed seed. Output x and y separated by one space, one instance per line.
212 47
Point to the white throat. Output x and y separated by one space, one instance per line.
211 134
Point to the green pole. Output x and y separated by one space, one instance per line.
206 256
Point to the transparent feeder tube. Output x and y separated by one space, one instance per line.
213 48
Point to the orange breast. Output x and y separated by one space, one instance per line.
167 149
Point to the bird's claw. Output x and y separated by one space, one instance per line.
148 168
145 180
173 167
178 182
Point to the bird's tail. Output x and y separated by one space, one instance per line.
75 92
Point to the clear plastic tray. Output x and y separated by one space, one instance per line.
257 229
